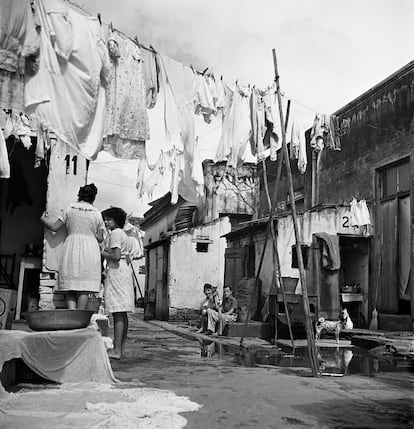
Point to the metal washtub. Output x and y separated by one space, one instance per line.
55 320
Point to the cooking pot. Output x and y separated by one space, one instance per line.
55 320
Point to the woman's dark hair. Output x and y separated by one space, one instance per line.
117 214
87 193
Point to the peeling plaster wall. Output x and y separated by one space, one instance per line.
189 269
229 190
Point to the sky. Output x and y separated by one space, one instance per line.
329 52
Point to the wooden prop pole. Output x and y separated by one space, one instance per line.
270 227
312 352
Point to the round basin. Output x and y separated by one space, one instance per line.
55 320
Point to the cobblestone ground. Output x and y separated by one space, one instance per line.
237 396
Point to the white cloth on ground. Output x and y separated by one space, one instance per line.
73 356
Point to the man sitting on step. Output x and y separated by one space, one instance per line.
226 313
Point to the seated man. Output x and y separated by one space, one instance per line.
228 310
210 304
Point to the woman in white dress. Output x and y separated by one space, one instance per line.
80 266
119 289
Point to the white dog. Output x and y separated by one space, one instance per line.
334 326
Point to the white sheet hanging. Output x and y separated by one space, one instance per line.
66 94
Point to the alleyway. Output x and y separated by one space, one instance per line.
237 396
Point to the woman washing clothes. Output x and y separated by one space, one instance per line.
119 289
80 266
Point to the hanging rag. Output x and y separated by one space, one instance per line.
331 259
150 72
359 213
298 146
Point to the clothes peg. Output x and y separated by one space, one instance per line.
204 71
137 41
110 26
99 18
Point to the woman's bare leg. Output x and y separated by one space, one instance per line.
125 333
83 299
70 300
119 323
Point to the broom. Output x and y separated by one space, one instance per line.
373 326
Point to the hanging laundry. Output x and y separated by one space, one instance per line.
150 72
273 134
149 176
257 117
327 131
359 213
178 82
220 94
237 127
124 148
204 102
225 143
18 34
320 129
69 75
298 146
126 102
4 158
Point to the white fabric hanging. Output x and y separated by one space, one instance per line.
4 158
66 94
359 213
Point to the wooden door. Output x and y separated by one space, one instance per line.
161 282
388 278
235 266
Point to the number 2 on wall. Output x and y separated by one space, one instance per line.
75 162
345 223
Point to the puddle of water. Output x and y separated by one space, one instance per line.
333 361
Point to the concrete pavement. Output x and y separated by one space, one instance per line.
238 392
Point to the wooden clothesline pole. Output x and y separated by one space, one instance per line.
270 228
312 352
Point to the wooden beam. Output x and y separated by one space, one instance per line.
312 352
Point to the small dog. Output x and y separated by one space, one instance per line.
333 326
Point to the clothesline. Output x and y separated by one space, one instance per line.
151 49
